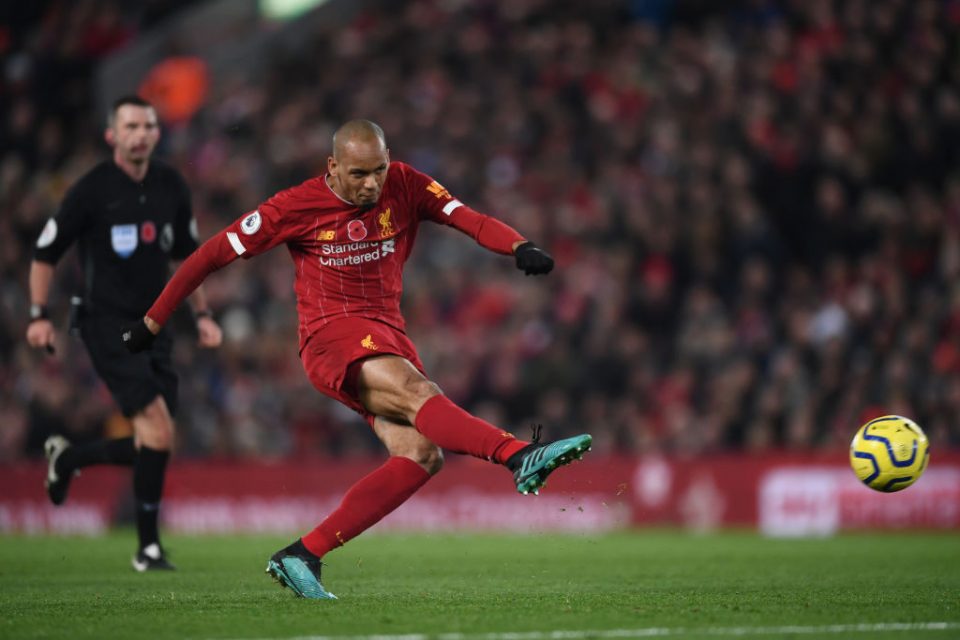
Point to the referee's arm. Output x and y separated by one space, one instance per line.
40 333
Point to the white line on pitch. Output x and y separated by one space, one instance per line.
654 632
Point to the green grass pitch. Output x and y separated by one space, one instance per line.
644 584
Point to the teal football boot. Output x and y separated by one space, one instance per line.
297 568
532 464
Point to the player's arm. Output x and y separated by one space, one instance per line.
209 334
438 205
499 237
186 241
239 239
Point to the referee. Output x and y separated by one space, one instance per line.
131 217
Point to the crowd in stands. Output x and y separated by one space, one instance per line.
754 207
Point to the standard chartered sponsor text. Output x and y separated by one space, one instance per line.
330 250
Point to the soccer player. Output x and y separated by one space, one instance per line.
131 216
349 233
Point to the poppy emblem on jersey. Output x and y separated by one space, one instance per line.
356 230
386 225
148 232
251 224
48 235
123 239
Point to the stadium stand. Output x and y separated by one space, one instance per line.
755 212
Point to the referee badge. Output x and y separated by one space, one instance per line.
123 239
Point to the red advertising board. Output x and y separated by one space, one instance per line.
780 494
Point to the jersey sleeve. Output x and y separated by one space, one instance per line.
251 234
433 202
274 222
65 227
185 225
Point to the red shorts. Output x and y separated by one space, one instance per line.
333 354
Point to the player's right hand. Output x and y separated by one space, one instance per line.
136 336
40 334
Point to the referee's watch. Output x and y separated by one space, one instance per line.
39 312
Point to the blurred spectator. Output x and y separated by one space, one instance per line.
755 209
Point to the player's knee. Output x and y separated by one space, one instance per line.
418 392
422 390
429 456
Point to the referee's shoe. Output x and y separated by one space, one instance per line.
57 482
151 558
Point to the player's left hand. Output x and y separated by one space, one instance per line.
533 260
209 334
137 336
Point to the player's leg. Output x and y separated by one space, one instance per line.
390 385
64 460
413 460
153 429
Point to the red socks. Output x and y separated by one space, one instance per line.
452 428
366 503
386 488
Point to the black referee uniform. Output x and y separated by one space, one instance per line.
127 232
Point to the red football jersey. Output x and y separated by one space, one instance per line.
349 261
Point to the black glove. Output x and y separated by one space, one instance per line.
533 260
136 337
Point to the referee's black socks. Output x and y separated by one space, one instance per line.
148 471
119 451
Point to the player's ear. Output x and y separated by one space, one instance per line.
331 166
109 136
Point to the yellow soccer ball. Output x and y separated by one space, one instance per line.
889 453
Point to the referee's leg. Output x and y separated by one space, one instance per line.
153 435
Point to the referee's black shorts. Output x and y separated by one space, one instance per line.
134 379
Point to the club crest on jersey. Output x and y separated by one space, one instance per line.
251 224
386 225
123 239
148 232
356 230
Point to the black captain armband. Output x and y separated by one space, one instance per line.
205 313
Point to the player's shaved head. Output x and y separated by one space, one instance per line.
358 166
357 133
